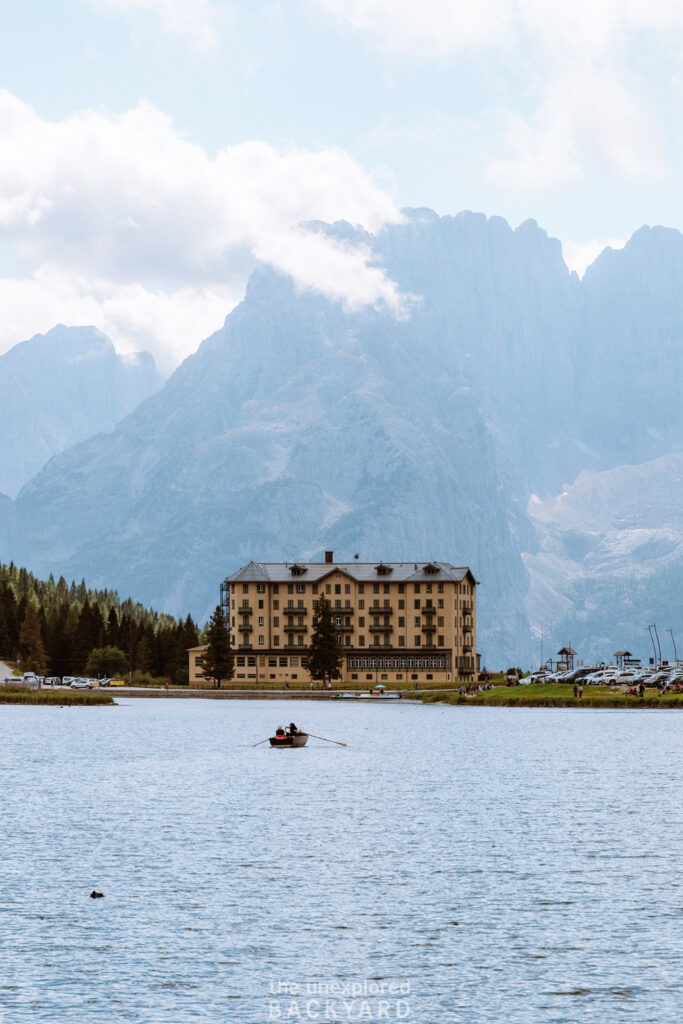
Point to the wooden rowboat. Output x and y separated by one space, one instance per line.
298 740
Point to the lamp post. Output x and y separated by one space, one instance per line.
673 641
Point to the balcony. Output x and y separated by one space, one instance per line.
428 628
381 629
295 629
245 647
467 628
467 647
294 611
244 610
343 629
243 627
294 647
377 610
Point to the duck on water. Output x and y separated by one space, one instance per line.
289 737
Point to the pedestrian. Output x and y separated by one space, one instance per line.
576 691
580 692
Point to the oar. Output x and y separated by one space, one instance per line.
326 740
260 742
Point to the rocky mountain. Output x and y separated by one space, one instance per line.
59 388
300 426
610 559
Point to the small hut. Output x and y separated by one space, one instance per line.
621 657
566 657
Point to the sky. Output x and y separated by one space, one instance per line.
151 151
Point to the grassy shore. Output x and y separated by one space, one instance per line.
63 698
555 695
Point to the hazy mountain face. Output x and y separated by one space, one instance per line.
59 388
300 426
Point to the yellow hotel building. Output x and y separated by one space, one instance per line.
397 623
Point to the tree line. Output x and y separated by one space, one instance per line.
59 628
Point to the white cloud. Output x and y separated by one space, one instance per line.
197 22
587 76
144 218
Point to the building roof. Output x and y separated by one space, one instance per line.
362 572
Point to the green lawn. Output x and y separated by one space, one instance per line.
22 695
557 695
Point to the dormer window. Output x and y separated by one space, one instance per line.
297 570
431 568
383 570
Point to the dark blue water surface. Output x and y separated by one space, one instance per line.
451 864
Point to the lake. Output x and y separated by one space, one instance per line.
450 865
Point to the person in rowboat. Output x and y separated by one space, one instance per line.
293 731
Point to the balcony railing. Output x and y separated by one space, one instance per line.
378 610
381 629
343 629
244 627
245 647
244 610
294 611
428 628
295 629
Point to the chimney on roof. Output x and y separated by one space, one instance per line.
328 557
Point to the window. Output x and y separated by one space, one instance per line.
245 588
299 603
401 603
290 604
240 661
294 661
301 641
300 620
347 588
387 589
401 641
261 640
361 621
368 675
260 588
401 588
272 662
417 602
283 662
428 588
347 641
361 641
290 588
260 620
251 661
439 587
276 588
337 603
361 588
375 588
417 620
328 588
417 641
300 588
439 620
401 621
361 605
439 641
337 620
276 605
375 641
354 675
260 604
276 641
384 675
337 588
276 621
314 588
416 588
439 602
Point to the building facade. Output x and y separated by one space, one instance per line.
397 623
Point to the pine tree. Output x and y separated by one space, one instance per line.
218 661
324 655
30 642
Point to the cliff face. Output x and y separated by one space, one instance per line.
59 388
299 426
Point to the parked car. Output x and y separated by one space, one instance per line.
82 684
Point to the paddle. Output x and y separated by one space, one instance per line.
260 742
326 740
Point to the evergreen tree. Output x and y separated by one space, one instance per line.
218 661
31 647
324 655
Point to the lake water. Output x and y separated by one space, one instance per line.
476 864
